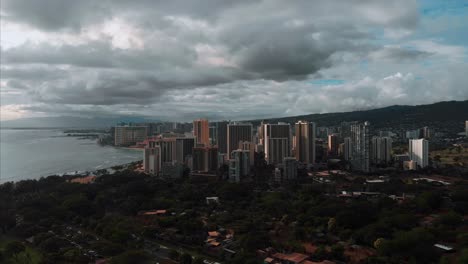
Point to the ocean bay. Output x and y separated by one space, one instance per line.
34 153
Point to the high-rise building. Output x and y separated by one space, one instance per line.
345 129
341 149
466 128
239 165
213 135
412 134
425 132
152 160
419 152
276 142
290 168
205 159
360 146
381 150
168 148
347 148
322 132
201 132
237 132
385 133
305 142
260 133
320 150
333 145
245 145
184 148
129 135
221 136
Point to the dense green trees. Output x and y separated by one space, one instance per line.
13 249
132 256
416 244
185 259
283 217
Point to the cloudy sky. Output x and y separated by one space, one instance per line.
223 59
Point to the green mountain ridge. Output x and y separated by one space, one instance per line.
392 116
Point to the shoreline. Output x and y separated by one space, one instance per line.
109 170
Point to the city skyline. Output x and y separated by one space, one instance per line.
182 61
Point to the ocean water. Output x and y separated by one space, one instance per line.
33 153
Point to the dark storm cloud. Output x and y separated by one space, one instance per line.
281 51
98 54
53 15
118 86
35 73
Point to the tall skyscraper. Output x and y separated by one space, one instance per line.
236 133
381 149
201 132
360 146
305 142
205 159
152 160
347 148
213 135
129 135
167 147
184 148
333 145
345 129
276 142
221 136
261 133
419 151
239 165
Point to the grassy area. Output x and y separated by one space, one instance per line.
453 156
28 256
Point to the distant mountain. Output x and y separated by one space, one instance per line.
70 122
398 116
437 115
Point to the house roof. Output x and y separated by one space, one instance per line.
297 257
84 180
155 212
293 257
213 233
310 248
321 262
215 243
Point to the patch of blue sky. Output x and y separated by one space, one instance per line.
435 8
324 82
443 21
